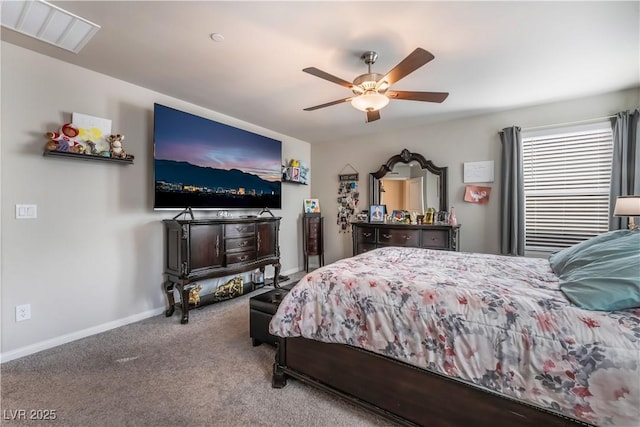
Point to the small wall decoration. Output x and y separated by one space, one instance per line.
311 206
348 177
377 213
296 171
87 135
478 171
94 129
477 194
348 198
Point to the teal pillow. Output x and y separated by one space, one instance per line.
606 275
573 256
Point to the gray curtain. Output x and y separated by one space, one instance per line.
625 174
512 194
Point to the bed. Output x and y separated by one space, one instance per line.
427 337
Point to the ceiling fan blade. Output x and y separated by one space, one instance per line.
373 115
328 104
319 73
408 65
418 96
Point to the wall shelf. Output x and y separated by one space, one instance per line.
77 156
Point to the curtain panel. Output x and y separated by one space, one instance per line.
512 233
625 174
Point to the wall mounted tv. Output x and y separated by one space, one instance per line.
202 164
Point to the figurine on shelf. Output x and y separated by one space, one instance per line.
63 140
93 148
116 149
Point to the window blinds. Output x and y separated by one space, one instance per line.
567 175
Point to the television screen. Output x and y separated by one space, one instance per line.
203 164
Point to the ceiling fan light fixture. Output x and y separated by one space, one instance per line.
382 86
370 101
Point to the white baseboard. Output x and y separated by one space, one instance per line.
63 339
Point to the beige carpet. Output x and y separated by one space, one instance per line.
158 372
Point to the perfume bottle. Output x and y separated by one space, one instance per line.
452 217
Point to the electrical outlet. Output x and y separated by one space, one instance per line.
23 312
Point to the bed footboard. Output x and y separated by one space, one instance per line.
400 392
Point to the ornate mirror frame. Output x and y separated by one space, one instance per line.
407 157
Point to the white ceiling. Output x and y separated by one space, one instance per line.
490 56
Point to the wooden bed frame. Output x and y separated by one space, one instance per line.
400 392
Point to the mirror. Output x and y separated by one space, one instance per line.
409 182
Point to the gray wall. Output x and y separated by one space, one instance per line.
93 258
449 143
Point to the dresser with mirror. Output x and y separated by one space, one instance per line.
407 182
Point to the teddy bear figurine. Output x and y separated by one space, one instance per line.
116 149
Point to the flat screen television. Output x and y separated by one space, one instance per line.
202 164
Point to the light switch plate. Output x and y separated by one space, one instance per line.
26 211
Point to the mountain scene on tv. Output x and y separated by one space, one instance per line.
181 184
201 163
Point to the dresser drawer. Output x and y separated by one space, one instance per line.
314 228
437 239
398 237
366 234
233 230
314 223
239 257
312 246
240 243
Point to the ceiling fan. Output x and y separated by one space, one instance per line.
371 90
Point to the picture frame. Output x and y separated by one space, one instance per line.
311 206
295 174
398 216
377 213
477 194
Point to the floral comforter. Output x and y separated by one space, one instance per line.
498 322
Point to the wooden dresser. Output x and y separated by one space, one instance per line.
203 249
367 236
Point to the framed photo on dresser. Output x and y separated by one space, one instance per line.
376 213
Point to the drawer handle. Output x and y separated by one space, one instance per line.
407 237
241 229
367 234
244 257
386 236
243 243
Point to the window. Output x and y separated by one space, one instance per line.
567 175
